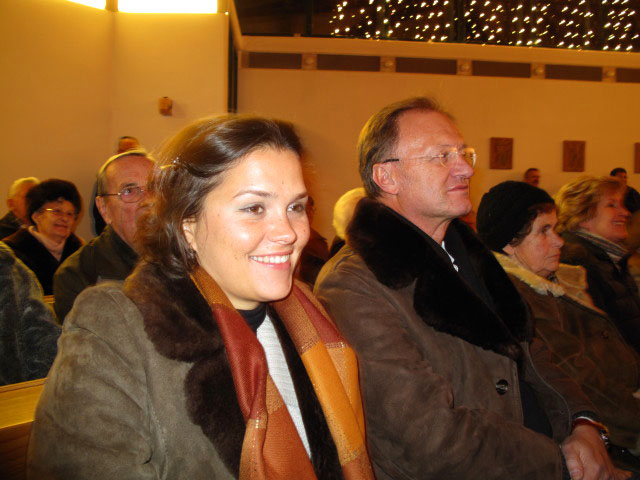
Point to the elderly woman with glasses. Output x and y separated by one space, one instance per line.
518 222
53 207
210 362
592 220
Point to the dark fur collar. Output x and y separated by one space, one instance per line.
398 254
180 324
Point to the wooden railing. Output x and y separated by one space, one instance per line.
17 407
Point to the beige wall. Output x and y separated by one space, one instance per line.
183 57
75 78
330 107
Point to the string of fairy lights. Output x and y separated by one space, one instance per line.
576 24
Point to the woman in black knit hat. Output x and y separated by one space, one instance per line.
518 221
53 207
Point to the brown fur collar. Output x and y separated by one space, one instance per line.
398 254
180 324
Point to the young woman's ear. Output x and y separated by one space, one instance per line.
508 249
188 228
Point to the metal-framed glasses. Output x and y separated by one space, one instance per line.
446 158
128 194
60 213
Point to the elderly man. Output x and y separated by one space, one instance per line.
122 181
17 215
453 387
126 143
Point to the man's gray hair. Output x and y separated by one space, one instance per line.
15 186
379 136
102 173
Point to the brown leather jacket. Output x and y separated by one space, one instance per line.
439 368
586 344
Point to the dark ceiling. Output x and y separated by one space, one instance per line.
284 17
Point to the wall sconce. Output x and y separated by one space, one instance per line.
165 106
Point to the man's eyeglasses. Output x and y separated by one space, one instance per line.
59 213
128 194
468 154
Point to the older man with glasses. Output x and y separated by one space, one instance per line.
453 386
122 182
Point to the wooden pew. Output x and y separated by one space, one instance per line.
17 407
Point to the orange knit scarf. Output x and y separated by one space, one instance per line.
272 449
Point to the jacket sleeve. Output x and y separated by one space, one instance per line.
68 281
614 400
30 334
39 334
415 430
92 420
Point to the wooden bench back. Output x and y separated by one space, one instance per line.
17 408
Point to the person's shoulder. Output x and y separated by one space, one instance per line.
13 271
632 191
79 258
346 271
73 243
102 308
6 254
343 262
574 248
18 238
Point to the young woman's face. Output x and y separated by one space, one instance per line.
610 220
540 250
253 227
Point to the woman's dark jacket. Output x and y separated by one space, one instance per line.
611 286
585 343
36 256
28 335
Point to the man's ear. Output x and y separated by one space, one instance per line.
508 249
384 175
102 208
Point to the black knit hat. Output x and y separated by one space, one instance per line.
503 211
52 190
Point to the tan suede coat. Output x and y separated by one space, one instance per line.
141 389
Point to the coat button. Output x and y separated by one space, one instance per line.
502 386
605 334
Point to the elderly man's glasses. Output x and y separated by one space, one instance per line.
59 213
128 194
468 154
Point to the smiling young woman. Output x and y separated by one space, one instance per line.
210 361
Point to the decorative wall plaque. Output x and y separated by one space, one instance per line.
636 161
501 151
573 155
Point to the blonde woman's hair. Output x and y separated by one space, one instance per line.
343 210
577 201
